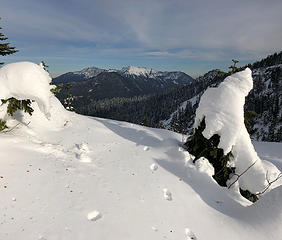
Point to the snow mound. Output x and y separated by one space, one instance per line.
26 80
223 110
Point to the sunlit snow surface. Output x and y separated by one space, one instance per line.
49 191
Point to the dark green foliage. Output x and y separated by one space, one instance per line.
265 99
5 48
153 107
69 99
270 60
2 125
15 104
160 106
233 67
247 194
249 120
145 122
45 66
199 146
181 120
57 88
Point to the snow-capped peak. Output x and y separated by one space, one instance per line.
90 72
139 71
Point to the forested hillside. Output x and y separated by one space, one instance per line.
175 108
263 112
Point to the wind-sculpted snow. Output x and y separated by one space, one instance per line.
223 110
26 80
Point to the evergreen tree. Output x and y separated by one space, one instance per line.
5 48
13 104
199 146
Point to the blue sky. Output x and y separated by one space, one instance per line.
193 36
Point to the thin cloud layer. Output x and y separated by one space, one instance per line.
168 29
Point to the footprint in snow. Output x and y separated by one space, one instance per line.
146 148
154 167
94 216
167 194
190 235
83 147
81 152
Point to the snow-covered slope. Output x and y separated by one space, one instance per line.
53 174
264 101
72 177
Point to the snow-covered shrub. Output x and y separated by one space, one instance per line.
220 135
200 147
21 83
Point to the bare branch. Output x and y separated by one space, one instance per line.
269 183
239 175
14 127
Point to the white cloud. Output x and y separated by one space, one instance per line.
162 28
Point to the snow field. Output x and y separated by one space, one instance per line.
48 190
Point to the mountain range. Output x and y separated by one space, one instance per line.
174 108
95 83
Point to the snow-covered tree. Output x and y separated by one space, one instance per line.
13 104
220 136
23 82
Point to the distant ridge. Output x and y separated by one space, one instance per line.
129 71
94 83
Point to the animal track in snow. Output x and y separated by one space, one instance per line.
167 194
190 235
83 147
81 152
